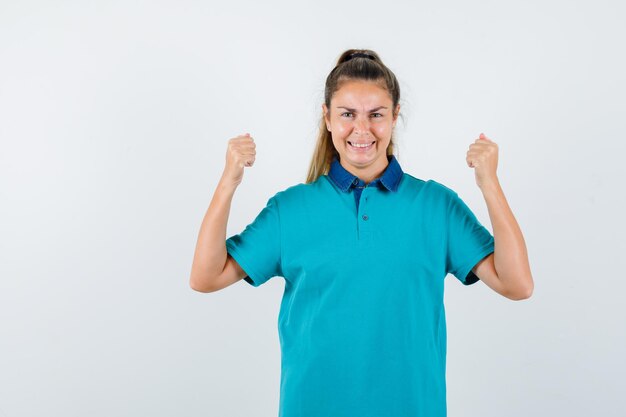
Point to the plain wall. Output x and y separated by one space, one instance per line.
114 119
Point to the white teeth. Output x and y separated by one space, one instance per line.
364 145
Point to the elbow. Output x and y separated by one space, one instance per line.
522 293
520 296
200 285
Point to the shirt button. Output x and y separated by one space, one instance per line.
355 182
365 217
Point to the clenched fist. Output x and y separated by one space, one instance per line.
483 157
240 153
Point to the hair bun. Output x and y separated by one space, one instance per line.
360 55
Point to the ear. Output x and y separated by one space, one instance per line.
395 115
326 116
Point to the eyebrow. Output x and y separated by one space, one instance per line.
354 110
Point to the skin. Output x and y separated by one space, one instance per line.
361 124
506 270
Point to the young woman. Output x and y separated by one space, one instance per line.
364 249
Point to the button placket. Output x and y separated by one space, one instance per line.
364 215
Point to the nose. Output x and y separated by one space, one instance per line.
361 126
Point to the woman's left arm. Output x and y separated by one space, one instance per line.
507 270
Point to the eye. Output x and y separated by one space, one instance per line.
377 114
346 113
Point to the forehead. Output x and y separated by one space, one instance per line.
361 93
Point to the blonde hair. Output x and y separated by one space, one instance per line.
370 68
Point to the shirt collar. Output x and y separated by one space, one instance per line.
345 180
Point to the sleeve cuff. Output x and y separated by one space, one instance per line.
253 277
467 277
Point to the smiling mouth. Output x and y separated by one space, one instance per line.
362 146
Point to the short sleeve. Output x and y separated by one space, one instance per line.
257 249
468 241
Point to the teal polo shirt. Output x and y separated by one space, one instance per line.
362 324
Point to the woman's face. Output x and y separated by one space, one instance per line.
361 114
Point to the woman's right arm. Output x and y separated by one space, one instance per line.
212 268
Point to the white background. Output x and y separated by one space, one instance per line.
114 119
